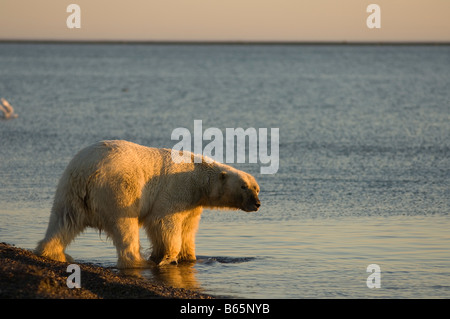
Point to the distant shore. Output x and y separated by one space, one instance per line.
24 275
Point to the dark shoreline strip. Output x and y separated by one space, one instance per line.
24 275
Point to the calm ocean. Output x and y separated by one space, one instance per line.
364 173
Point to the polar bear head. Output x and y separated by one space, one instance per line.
230 188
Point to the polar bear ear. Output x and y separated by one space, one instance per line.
222 175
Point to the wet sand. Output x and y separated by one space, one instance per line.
24 275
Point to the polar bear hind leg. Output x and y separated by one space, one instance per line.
190 227
125 236
63 227
165 236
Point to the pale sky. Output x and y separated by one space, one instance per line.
226 20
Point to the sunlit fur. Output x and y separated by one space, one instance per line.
119 186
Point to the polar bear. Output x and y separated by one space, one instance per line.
118 186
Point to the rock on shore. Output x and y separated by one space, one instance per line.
24 275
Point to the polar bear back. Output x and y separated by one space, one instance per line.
114 175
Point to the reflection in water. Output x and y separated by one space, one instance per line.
182 275
179 276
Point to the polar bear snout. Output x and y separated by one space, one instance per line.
257 204
252 205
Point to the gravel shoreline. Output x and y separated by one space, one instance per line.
24 275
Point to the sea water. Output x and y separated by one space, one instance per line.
364 157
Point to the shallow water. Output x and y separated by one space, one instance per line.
364 157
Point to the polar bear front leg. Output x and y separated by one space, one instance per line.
165 235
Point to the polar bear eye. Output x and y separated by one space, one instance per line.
244 187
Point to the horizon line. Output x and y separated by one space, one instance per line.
221 42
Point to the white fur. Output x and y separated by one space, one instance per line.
118 186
